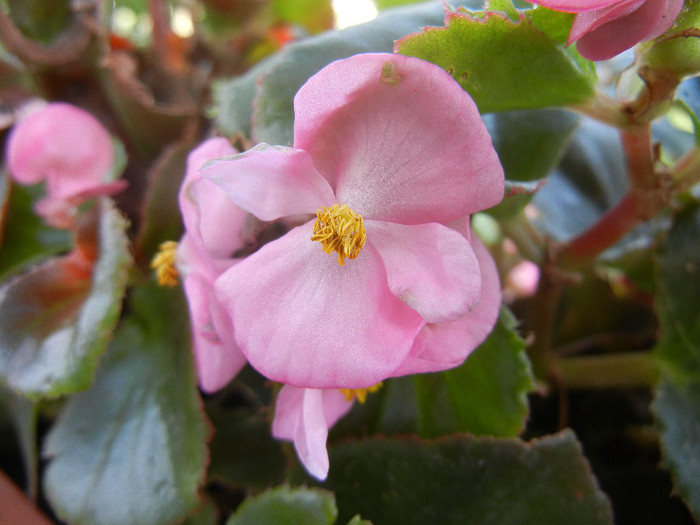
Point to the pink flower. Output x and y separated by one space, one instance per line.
603 29
304 415
387 149
69 149
212 234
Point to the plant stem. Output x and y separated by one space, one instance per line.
630 369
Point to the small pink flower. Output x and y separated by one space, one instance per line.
212 235
603 29
387 149
304 415
70 150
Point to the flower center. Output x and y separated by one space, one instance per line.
340 229
164 264
359 393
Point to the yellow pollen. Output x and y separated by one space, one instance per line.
340 229
164 264
359 393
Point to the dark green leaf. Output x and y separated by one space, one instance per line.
590 179
487 395
42 21
132 448
464 479
56 320
25 238
502 63
161 218
243 451
287 506
676 404
529 143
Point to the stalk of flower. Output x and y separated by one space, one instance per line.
71 151
603 29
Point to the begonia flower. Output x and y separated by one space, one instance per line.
304 416
387 150
71 151
213 226
603 29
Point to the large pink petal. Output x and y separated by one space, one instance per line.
407 145
304 415
63 144
430 267
304 320
271 181
217 355
441 346
605 33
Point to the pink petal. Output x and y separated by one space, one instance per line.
63 144
271 181
605 33
304 416
406 147
441 346
430 267
304 320
217 355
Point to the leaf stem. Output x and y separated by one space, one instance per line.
621 370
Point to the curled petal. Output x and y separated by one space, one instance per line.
607 32
430 267
441 346
271 181
304 320
304 415
398 139
217 355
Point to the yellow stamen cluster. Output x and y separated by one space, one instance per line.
164 264
340 229
359 393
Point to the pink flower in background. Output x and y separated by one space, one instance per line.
387 149
304 415
70 150
603 29
213 226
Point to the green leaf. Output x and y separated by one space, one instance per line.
270 87
678 398
132 448
287 506
313 15
161 216
529 143
487 395
243 452
56 320
42 21
25 238
503 64
590 179
464 479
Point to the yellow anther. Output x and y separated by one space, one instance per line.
164 264
359 393
339 229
